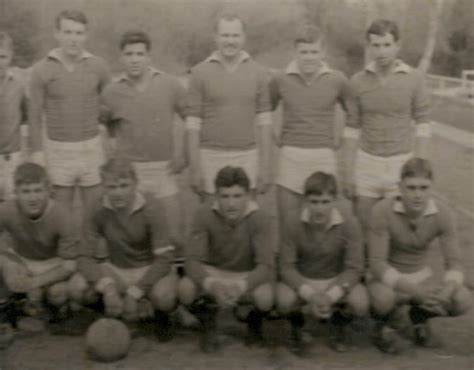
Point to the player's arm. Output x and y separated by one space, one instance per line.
178 161
420 114
263 121
24 134
353 261
37 91
193 131
350 138
340 115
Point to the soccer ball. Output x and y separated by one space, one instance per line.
107 340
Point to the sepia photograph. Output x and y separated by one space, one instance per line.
236 184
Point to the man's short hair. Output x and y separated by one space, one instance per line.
135 37
72 15
118 168
417 167
30 173
320 183
381 27
6 41
229 176
229 17
308 35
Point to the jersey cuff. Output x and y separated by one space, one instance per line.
263 119
454 276
306 291
135 292
424 129
351 133
390 277
193 123
335 293
162 250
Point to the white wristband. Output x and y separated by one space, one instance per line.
454 276
193 123
263 119
335 293
351 133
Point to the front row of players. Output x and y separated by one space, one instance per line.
231 259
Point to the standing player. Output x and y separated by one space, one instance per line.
137 270
65 88
388 95
143 104
309 91
41 253
229 259
228 96
321 263
401 233
12 116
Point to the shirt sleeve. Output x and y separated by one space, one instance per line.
264 255
263 92
274 89
354 255
353 106
344 92
379 243
180 101
288 259
197 249
421 101
448 241
35 109
195 96
104 75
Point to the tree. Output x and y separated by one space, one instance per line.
435 12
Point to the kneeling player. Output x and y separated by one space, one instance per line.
229 259
321 261
40 254
401 232
137 277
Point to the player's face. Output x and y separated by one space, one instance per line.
415 192
5 60
232 201
136 59
120 191
33 198
383 49
71 37
230 38
308 57
320 207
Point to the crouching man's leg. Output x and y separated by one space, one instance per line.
164 298
82 294
262 300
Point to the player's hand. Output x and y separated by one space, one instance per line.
17 278
263 182
220 292
176 165
235 289
130 308
196 181
321 305
113 303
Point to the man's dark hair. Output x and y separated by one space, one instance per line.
73 15
30 173
308 35
135 37
417 167
381 27
230 176
229 17
320 183
118 168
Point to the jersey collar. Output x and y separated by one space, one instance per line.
138 203
430 209
293 68
400 67
335 218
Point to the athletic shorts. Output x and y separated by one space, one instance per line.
378 177
155 178
33 267
124 277
295 165
72 164
8 164
213 160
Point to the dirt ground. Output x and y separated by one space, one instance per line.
454 168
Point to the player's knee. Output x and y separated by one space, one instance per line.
77 286
382 298
286 298
358 300
263 297
187 291
461 302
164 295
57 294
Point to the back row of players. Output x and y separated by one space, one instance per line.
227 142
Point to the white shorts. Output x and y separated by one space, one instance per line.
418 276
213 160
36 267
378 177
75 163
126 276
155 178
8 165
295 165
